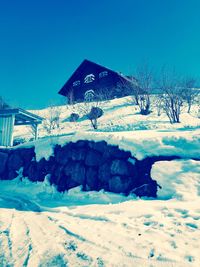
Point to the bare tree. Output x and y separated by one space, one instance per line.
91 107
52 120
172 89
33 130
130 87
189 92
136 94
145 80
159 103
139 87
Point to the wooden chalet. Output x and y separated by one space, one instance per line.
93 79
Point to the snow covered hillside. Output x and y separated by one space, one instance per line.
41 227
119 115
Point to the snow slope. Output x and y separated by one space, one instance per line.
119 115
140 143
41 227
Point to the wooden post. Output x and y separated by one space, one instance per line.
6 130
35 130
12 129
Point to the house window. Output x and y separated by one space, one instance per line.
89 78
103 74
89 96
76 83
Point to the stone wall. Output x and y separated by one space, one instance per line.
95 166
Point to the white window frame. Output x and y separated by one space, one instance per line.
76 83
89 78
103 74
89 95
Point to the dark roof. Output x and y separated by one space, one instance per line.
22 117
85 62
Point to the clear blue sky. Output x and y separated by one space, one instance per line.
43 41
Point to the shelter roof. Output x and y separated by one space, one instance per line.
22 117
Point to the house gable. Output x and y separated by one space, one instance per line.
90 76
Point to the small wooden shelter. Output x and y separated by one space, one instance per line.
12 117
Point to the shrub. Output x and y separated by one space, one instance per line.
18 141
73 117
93 115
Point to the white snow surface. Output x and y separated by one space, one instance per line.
141 143
122 125
41 227
178 178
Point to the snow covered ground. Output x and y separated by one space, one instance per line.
41 227
120 115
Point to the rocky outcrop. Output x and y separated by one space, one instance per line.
94 165
3 160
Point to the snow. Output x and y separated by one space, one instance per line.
41 227
122 125
119 115
178 178
141 143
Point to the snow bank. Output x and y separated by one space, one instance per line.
179 179
19 193
119 115
141 144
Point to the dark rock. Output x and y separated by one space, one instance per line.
92 178
62 154
119 185
82 143
61 187
104 172
94 165
57 175
143 170
71 184
115 152
76 171
93 158
51 165
61 181
78 154
11 175
26 169
57 149
26 154
14 162
32 171
98 146
68 169
37 171
3 160
146 190
5 150
78 174
143 167
119 167
42 169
